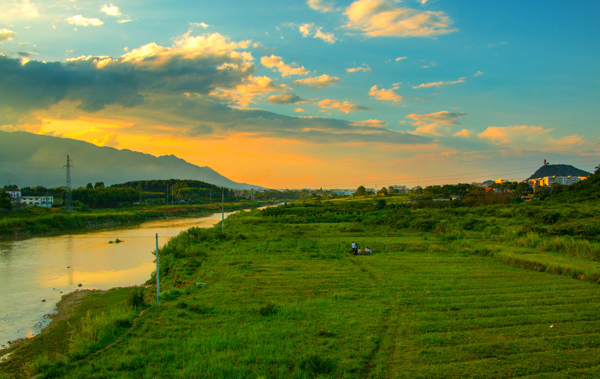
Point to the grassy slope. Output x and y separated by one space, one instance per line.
284 299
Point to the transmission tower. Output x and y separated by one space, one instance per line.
68 195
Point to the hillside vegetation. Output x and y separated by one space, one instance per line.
501 290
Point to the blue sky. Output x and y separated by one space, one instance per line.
312 93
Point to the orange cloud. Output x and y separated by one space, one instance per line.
382 18
439 84
442 117
373 123
365 68
535 138
436 124
243 94
108 140
277 63
319 81
463 133
385 94
344 106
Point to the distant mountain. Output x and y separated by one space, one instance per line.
558 170
28 159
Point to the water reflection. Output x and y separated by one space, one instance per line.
36 272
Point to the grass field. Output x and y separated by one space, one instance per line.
447 293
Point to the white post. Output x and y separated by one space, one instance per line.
157 277
222 210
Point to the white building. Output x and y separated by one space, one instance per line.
14 196
549 180
40 201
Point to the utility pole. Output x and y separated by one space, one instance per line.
167 194
211 196
222 210
157 277
68 194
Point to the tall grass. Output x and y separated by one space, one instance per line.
98 330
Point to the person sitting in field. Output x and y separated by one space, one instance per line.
368 250
359 251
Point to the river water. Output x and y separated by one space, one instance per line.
36 272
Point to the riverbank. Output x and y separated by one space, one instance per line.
280 295
35 222
55 339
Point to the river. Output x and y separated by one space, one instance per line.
35 272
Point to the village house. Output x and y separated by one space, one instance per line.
40 201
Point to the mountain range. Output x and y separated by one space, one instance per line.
28 160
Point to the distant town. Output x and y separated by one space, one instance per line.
549 177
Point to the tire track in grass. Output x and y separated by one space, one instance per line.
385 326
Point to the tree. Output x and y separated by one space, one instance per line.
383 192
360 191
99 185
5 200
89 186
392 190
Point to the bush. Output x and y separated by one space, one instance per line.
136 299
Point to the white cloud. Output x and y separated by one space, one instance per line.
327 37
385 94
83 21
321 6
382 18
200 24
124 20
6 35
299 110
400 58
439 84
478 73
110 10
277 63
344 106
306 29
319 81
364 68
12 10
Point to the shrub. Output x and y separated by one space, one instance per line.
136 298
170 294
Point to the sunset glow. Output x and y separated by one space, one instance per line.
312 93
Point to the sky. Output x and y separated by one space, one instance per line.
317 93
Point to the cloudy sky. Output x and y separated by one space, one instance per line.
313 93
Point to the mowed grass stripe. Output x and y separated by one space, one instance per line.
461 348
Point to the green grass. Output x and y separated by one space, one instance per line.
447 293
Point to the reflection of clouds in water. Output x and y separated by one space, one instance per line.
101 279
